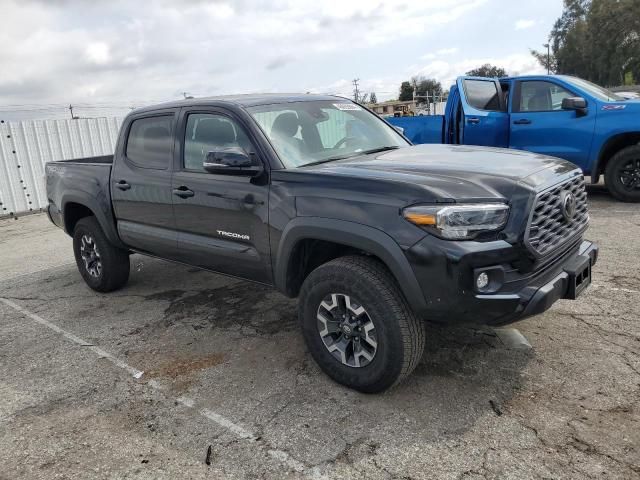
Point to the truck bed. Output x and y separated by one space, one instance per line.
83 181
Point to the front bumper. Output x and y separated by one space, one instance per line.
451 298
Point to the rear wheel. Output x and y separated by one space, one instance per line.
622 175
357 324
103 267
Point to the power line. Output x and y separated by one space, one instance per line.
356 91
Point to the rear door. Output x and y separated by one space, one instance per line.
141 184
539 124
484 119
222 220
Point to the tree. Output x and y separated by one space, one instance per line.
546 59
373 98
488 70
426 88
406 92
598 40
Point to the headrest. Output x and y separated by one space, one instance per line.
286 124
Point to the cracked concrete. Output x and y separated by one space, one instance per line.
568 407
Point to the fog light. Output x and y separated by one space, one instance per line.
482 281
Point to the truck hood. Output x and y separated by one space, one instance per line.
449 173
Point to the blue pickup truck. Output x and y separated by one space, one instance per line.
555 115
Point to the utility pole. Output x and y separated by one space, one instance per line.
356 91
548 57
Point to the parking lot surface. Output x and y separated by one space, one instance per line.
188 374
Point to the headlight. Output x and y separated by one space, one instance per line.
459 222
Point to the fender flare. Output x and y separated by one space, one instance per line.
352 234
100 210
595 171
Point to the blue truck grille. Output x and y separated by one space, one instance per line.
550 225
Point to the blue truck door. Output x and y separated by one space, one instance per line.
540 125
485 119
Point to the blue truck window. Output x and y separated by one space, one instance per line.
541 96
482 94
149 142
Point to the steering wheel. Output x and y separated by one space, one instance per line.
343 141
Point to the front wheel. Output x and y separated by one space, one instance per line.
103 267
622 175
357 324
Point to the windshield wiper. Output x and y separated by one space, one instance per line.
380 149
354 154
330 159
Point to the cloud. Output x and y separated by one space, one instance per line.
123 53
524 24
279 62
98 53
446 72
439 53
159 48
441 69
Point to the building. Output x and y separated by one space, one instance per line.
393 108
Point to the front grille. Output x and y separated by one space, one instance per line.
548 228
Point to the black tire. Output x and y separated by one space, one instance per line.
626 159
113 271
399 334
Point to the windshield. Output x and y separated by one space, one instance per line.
316 131
594 90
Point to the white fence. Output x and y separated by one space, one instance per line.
26 146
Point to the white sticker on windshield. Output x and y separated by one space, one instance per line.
346 106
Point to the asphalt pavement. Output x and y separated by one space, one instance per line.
188 374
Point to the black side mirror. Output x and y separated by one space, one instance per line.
231 161
578 104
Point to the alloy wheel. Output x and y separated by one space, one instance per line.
629 174
346 330
90 256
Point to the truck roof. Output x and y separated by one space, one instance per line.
246 100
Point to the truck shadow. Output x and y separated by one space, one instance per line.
598 191
467 372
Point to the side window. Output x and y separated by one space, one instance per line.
541 96
207 132
482 94
149 142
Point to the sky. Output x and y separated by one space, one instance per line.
107 56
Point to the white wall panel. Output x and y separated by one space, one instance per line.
26 146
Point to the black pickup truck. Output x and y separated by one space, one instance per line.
323 200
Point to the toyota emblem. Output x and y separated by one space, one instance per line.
568 202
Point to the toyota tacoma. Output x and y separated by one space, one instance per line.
325 201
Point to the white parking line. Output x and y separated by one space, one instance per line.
75 339
283 457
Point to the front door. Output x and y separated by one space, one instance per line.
141 185
222 220
539 124
485 120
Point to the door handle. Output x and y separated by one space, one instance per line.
473 120
123 185
183 192
522 121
